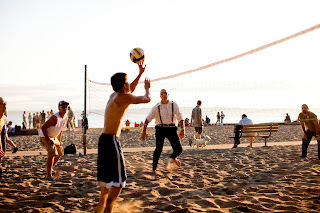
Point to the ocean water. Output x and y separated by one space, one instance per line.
233 115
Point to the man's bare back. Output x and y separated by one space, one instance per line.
114 113
119 102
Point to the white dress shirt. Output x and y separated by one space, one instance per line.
166 113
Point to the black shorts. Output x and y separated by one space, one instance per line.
198 129
111 166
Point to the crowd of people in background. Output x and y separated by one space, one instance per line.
37 119
207 120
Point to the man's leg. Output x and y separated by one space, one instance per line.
55 160
198 136
251 140
176 145
102 201
305 144
3 143
49 166
237 136
318 149
114 193
10 142
159 146
57 157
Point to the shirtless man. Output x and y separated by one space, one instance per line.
111 168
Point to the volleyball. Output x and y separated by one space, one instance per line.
137 55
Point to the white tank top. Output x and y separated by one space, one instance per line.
54 131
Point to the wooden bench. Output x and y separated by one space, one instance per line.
257 130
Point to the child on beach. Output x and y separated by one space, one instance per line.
111 169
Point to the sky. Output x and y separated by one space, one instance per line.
44 46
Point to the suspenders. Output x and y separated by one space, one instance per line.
160 113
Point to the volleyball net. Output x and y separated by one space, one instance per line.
218 93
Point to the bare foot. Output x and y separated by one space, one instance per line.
178 163
99 208
249 146
50 178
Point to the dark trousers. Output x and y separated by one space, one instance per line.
3 141
237 134
171 134
306 142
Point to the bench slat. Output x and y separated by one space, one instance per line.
256 125
259 127
260 130
257 136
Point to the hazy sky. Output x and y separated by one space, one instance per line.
44 46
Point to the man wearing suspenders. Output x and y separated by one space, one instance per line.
167 115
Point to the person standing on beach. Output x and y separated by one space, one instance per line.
167 114
30 120
3 120
50 136
71 118
24 120
196 119
111 168
34 123
218 118
4 133
42 117
37 118
310 127
222 115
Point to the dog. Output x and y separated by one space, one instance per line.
199 142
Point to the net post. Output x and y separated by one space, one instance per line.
85 113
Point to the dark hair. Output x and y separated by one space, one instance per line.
199 102
244 115
118 80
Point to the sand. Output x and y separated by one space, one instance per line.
218 134
258 179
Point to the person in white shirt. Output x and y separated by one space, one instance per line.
30 120
244 121
222 115
50 136
24 119
167 115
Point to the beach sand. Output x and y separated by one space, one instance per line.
129 139
258 179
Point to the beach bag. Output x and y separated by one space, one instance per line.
71 149
17 127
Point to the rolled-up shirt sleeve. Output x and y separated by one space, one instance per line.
177 112
151 114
